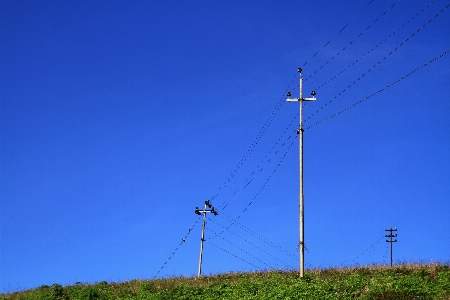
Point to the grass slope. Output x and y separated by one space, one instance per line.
376 282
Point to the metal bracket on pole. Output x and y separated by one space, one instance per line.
200 212
301 197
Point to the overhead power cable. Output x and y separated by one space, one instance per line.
381 90
378 63
385 39
371 247
185 237
234 255
358 36
261 189
178 247
326 44
275 111
255 141
257 235
236 246
259 168
245 240
386 253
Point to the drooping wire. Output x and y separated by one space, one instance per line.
258 236
245 240
275 111
253 145
234 255
270 119
261 189
260 167
373 245
385 39
184 239
349 44
259 136
385 254
326 44
255 141
236 246
378 63
178 247
268 179
381 90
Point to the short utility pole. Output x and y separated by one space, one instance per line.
301 197
200 212
390 236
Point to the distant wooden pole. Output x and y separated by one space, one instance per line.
390 236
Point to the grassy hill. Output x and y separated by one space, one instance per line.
375 282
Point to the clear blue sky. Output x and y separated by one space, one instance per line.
118 118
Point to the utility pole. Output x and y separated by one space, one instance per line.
300 196
390 236
200 212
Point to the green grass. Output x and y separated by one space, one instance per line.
375 282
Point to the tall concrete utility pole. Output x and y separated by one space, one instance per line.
300 196
200 212
390 236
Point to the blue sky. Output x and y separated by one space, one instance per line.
118 118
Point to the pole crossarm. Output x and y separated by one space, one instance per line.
301 99
301 196
212 210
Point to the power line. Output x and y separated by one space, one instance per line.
233 244
234 255
385 254
255 142
358 36
184 239
238 236
381 90
326 44
378 63
398 29
262 188
376 46
176 248
277 108
258 168
258 236
365 250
